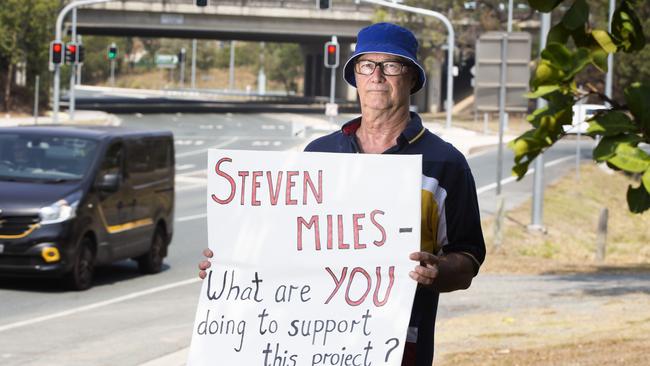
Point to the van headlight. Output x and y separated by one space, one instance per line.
61 210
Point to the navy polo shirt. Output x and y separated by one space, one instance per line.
450 220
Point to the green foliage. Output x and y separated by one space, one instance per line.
573 45
26 28
96 67
284 63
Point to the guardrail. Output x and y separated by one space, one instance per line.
291 4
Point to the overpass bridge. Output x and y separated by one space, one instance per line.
250 20
295 21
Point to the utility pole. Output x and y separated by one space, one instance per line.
193 73
231 79
502 108
181 60
36 90
538 180
610 58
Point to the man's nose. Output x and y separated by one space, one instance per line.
377 74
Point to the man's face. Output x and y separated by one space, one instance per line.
383 92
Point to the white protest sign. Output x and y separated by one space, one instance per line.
311 259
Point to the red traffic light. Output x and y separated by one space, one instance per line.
72 48
56 53
331 55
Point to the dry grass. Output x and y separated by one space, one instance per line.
517 123
571 212
206 79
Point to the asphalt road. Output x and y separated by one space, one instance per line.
130 319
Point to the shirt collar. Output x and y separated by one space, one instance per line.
413 131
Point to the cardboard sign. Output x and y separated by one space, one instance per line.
311 259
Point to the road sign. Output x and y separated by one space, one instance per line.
166 61
487 81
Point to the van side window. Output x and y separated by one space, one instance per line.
139 160
160 155
112 163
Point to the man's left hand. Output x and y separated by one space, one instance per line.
427 271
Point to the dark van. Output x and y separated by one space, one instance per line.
72 198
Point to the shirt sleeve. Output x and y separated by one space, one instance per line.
463 221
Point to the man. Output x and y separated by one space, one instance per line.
385 71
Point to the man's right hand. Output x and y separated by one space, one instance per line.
205 264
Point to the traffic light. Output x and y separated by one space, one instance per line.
71 53
201 2
324 4
112 52
181 56
56 52
331 55
81 53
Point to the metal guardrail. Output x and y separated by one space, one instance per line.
290 4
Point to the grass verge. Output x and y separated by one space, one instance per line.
571 212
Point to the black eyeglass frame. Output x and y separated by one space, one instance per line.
403 69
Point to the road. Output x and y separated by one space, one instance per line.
129 319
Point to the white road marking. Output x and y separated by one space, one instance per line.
491 186
190 218
184 167
195 180
204 151
96 305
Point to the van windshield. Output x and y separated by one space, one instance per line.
50 159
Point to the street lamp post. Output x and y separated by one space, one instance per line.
57 37
450 46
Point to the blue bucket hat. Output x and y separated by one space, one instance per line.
389 39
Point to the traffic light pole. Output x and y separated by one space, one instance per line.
112 79
182 62
57 38
450 46
73 66
193 73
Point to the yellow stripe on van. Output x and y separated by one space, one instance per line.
113 229
24 234
129 226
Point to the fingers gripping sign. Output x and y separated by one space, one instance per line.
427 271
205 264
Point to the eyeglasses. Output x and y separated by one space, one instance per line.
388 68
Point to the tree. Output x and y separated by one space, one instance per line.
26 28
284 63
573 46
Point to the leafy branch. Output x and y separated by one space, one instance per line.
572 46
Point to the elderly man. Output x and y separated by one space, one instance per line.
385 71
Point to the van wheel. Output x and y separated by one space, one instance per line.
83 270
151 262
